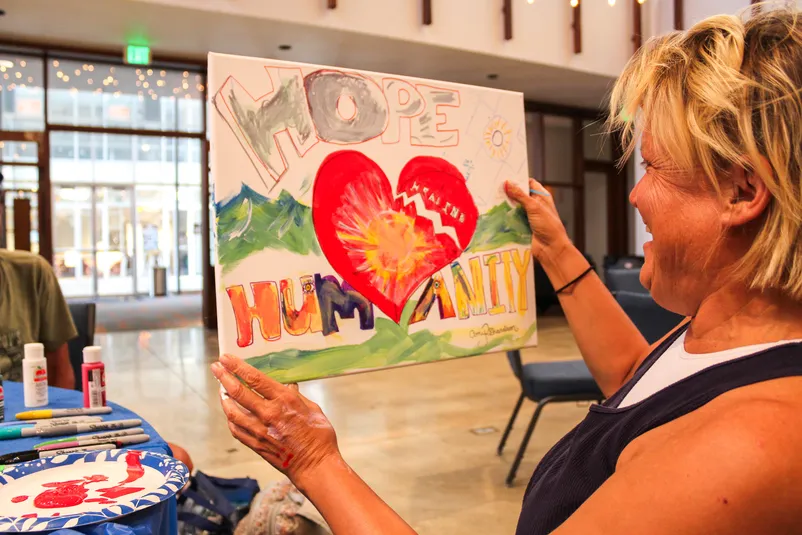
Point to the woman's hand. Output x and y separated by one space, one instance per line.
276 421
549 236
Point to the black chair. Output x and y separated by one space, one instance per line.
83 316
624 280
543 383
545 297
652 320
623 262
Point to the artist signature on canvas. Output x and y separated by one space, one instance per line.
486 331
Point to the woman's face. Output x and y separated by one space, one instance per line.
682 213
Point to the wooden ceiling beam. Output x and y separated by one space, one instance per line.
576 26
427 12
507 10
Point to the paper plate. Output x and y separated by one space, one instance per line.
84 488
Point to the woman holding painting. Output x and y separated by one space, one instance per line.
700 432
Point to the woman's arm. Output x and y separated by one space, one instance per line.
347 503
610 343
608 340
291 433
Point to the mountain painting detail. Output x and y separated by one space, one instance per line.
361 221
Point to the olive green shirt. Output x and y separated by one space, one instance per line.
32 309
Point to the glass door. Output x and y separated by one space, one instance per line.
19 195
93 235
114 240
73 240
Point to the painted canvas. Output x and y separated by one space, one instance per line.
361 220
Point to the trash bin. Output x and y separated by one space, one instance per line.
159 281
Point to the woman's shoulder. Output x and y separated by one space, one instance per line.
763 415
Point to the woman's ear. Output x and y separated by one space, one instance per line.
746 197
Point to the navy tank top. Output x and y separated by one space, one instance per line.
584 458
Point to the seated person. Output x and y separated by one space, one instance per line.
33 309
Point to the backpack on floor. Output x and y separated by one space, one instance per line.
214 505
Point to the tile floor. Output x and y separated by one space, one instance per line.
406 431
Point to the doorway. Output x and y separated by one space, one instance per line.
20 172
94 239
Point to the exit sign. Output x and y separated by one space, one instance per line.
137 55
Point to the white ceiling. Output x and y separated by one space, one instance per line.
193 33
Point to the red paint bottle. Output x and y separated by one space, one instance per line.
93 373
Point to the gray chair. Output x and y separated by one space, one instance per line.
544 383
652 320
624 280
83 316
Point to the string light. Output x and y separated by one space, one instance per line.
163 74
77 72
18 75
530 2
611 2
3 68
22 63
55 63
574 3
186 74
150 72
60 74
66 78
90 81
145 85
30 79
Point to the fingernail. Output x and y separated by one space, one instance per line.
225 360
538 192
217 369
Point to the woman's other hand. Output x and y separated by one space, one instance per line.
549 236
276 421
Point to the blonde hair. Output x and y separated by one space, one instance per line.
736 84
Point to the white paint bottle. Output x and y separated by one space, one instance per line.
34 376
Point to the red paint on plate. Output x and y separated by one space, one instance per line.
19 499
135 470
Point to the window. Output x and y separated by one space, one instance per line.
119 148
21 87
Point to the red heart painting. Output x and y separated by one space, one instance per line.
386 245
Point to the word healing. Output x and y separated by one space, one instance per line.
342 108
274 304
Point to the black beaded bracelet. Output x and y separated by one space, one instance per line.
579 278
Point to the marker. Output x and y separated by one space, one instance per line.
32 455
53 421
61 413
112 435
538 192
119 441
7 433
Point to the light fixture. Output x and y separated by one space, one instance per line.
611 2
574 3
530 2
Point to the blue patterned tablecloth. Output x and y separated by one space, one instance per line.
157 520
